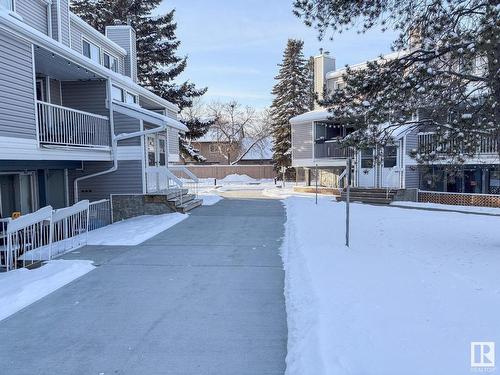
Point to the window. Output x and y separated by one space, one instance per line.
117 93
92 51
9 4
367 158
130 98
123 96
162 151
110 62
212 148
40 90
151 151
390 156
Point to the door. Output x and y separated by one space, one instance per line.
366 173
156 163
390 171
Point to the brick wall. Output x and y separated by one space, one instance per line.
459 199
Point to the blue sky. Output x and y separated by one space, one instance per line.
234 46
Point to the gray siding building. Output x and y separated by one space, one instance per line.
74 124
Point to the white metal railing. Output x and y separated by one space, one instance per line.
428 142
99 214
26 234
3 242
44 234
63 126
189 179
70 228
163 181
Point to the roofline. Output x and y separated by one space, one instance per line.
339 72
15 26
96 33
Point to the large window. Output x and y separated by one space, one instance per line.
327 131
92 51
117 93
9 4
110 62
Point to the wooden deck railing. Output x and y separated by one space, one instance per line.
332 150
63 126
428 142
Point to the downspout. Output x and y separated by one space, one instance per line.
117 138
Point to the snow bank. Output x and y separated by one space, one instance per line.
415 288
237 178
447 207
134 231
22 287
210 199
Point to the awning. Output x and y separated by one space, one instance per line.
137 112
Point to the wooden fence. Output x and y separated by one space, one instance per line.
222 171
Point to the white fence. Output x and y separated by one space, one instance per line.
99 214
69 127
48 233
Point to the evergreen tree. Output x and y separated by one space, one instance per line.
447 72
157 44
291 98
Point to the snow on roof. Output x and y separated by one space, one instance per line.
339 72
212 135
316 115
262 150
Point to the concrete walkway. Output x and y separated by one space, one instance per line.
204 297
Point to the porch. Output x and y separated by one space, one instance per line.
70 103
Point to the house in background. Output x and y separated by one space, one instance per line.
74 122
247 150
315 144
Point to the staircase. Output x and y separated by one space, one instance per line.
371 196
181 201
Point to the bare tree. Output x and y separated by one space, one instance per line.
257 136
231 124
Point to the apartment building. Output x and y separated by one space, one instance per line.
74 122
316 143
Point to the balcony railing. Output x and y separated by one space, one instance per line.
333 150
69 127
428 143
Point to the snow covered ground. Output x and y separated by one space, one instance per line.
22 287
134 231
447 207
409 296
210 199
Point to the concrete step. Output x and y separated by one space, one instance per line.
181 200
370 193
174 194
370 200
372 190
188 206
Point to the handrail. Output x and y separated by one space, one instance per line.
72 110
186 171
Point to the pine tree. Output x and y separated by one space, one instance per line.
291 98
447 72
157 44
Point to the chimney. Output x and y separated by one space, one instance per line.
323 64
125 37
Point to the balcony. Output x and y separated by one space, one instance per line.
428 143
333 150
61 126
